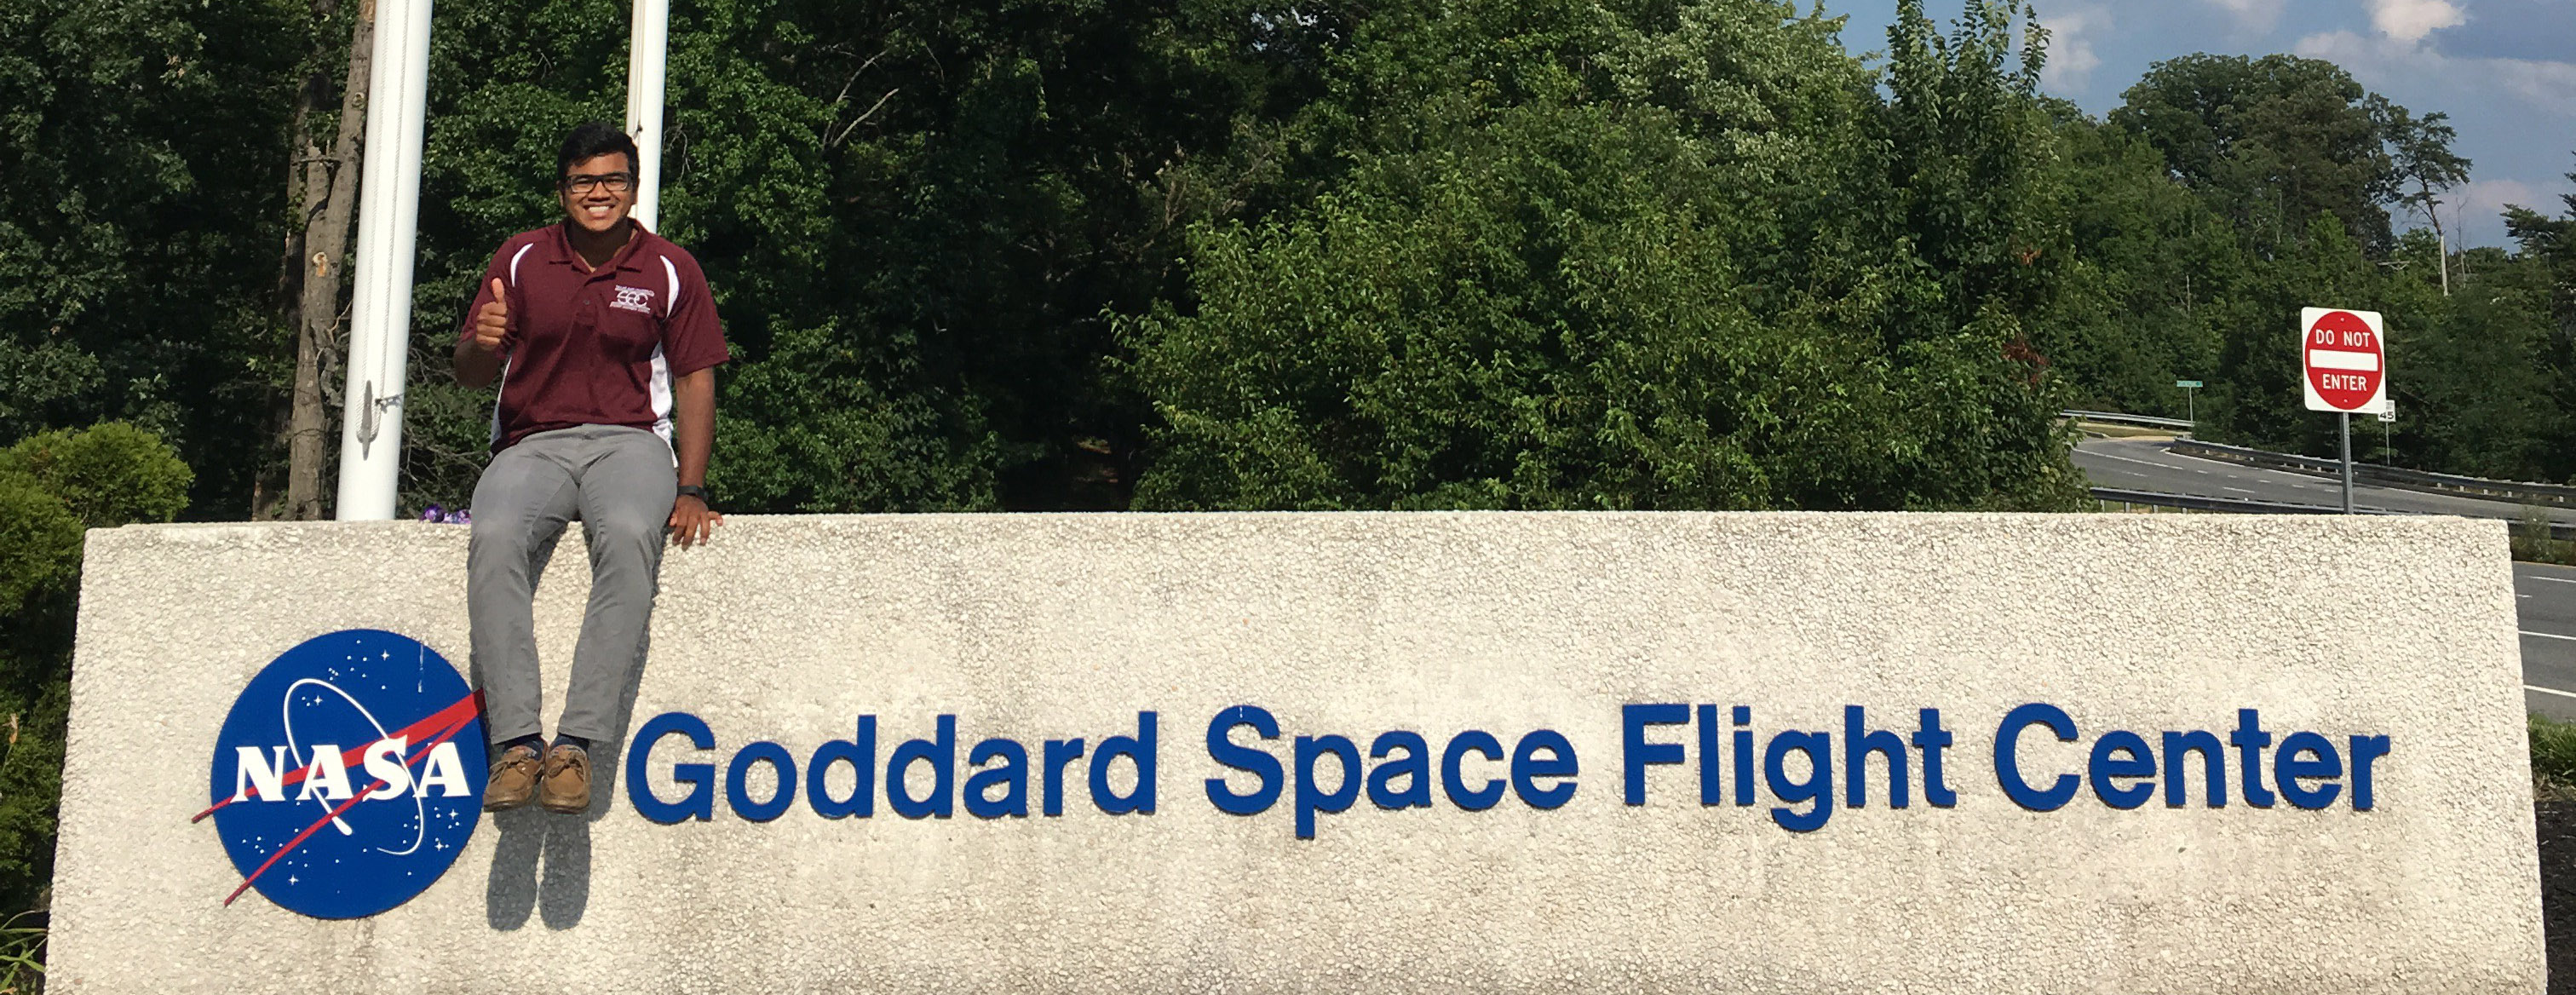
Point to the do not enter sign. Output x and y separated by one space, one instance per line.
2347 370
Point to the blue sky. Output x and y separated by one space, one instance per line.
2505 70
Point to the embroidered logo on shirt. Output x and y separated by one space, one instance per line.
637 299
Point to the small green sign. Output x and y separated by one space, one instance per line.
2186 383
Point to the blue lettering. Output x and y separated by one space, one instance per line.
738 793
2249 739
1414 767
1636 753
2321 762
1260 765
1931 739
1012 777
1310 800
1528 767
2008 764
1818 787
2213 759
861 755
1452 779
2364 750
2108 767
1058 753
941 754
1743 757
1709 786
1858 743
700 802
1138 750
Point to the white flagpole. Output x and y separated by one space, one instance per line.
646 53
388 226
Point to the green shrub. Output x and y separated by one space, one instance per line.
107 475
2553 759
40 541
52 486
2533 541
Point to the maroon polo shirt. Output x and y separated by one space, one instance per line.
595 347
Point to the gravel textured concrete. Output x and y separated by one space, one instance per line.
1049 627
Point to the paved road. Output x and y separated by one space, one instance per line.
2546 594
2548 598
2145 465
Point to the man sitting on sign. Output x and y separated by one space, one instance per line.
605 341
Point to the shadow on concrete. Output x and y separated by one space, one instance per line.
542 862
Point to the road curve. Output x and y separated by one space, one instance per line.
2545 595
2146 465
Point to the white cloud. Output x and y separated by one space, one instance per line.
2489 197
2071 30
2545 86
2252 16
2474 213
2529 95
2411 20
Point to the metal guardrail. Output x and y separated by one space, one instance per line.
2520 492
2193 502
2116 418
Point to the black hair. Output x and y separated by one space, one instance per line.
594 138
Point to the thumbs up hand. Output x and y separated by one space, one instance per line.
492 322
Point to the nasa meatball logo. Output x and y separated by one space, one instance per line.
349 774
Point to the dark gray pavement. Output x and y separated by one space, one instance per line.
2145 465
2545 594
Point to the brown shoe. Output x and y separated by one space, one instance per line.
513 781
565 786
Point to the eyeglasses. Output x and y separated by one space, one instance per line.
585 183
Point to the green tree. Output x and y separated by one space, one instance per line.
140 220
1531 283
2551 242
2421 152
2270 142
2141 300
52 486
2256 398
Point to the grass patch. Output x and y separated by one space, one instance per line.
2532 542
2553 759
22 955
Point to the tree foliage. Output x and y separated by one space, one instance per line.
2270 143
52 486
1538 278
1220 253
142 168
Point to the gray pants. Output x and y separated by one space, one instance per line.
619 481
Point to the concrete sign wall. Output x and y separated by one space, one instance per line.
1528 752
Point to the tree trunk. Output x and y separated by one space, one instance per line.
2442 241
330 199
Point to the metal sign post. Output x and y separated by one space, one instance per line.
380 298
647 53
2344 359
2345 419
2190 394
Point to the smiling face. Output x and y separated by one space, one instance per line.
598 192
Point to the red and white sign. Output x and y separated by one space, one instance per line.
2346 367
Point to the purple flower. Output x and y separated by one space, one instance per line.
432 514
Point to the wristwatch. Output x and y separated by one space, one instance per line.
695 491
